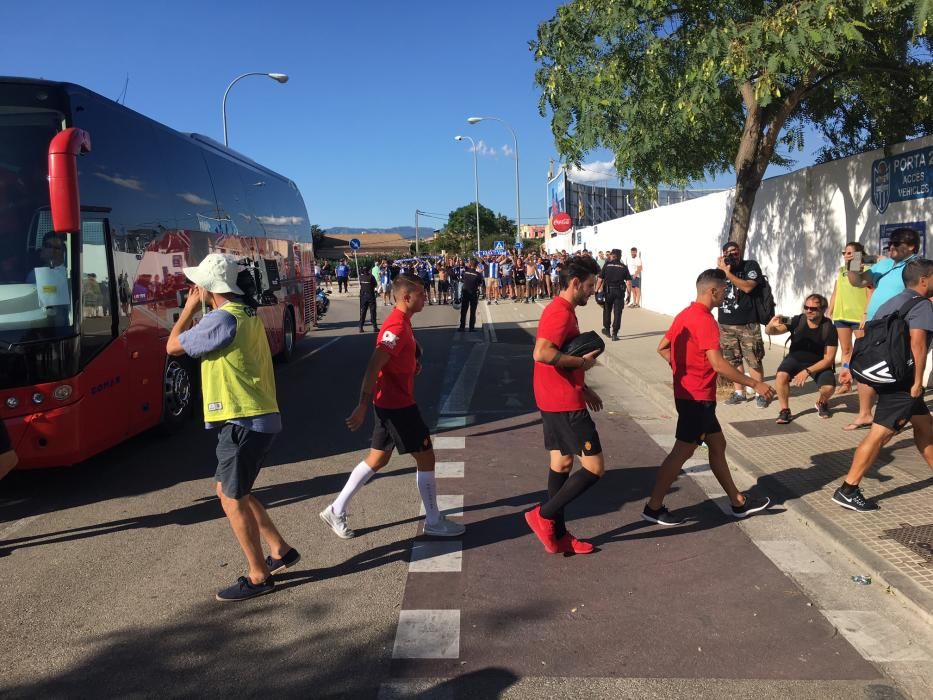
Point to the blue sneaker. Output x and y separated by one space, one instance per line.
277 566
244 589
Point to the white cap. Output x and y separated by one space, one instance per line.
217 274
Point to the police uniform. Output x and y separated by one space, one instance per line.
471 280
614 276
367 298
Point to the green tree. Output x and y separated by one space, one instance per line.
459 234
317 235
682 90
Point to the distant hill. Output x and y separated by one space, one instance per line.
403 231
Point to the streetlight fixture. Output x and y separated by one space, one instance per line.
475 186
518 194
277 77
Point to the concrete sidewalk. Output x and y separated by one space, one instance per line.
799 465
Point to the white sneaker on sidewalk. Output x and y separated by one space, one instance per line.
338 523
444 528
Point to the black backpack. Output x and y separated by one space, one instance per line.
801 325
763 298
882 357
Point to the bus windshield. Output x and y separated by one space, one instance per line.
35 264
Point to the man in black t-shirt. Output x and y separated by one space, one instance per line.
8 458
813 342
472 280
739 329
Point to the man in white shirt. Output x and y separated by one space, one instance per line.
635 266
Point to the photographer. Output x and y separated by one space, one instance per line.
238 388
813 343
739 330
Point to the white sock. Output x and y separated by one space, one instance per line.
358 477
427 487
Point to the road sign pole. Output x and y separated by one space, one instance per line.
357 263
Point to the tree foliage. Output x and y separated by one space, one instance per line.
459 235
682 90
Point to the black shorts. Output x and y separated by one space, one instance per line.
696 420
400 429
896 407
794 366
571 432
240 454
443 286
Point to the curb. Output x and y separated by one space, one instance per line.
913 596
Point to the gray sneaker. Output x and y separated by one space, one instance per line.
444 528
338 523
736 398
762 402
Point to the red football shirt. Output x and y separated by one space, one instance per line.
395 385
693 332
558 389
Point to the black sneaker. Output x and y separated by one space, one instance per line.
854 501
244 589
607 333
752 504
822 410
615 337
290 558
784 416
736 398
661 516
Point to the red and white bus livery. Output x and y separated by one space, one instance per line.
100 210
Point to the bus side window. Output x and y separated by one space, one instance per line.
96 298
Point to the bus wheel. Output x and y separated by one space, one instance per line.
178 392
288 336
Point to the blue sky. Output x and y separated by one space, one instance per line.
377 91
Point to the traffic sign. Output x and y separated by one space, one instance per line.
499 246
519 245
355 244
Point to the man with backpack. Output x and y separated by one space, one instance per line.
893 357
739 322
813 343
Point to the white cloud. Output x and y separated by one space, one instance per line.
280 220
483 150
597 171
508 151
194 199
127 182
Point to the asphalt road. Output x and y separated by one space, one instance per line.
108 570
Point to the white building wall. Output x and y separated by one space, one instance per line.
800 224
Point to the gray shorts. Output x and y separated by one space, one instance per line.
240 454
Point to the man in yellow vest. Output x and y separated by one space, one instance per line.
238 389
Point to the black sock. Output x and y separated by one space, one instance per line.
579 482
848 489
556 481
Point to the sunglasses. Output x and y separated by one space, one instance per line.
895 244
814 309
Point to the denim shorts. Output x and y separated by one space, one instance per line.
851 325
240 454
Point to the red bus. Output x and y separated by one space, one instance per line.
100 209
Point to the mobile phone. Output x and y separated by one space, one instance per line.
855 264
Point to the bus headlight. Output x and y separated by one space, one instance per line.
12 402
63 392
38 397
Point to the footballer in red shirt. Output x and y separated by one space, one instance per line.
562 397
389 384
691 348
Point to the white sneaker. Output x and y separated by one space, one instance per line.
444 528
338 523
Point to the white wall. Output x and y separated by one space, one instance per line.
800 224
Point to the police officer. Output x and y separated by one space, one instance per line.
472 280
615 281
367 297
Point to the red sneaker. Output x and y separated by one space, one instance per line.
543 528
568 544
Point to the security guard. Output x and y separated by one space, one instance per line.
615 281
472 280
367 297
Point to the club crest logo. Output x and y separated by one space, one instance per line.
881 185
389 339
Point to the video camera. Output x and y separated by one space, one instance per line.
257 287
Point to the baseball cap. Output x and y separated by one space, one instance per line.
217 274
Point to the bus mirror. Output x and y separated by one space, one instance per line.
63 178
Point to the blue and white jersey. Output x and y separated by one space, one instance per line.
343 270
492 270
539 271
385 276
507 269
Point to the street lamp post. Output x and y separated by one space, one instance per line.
518 194
277 77
475 186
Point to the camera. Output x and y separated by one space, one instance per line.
731 260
